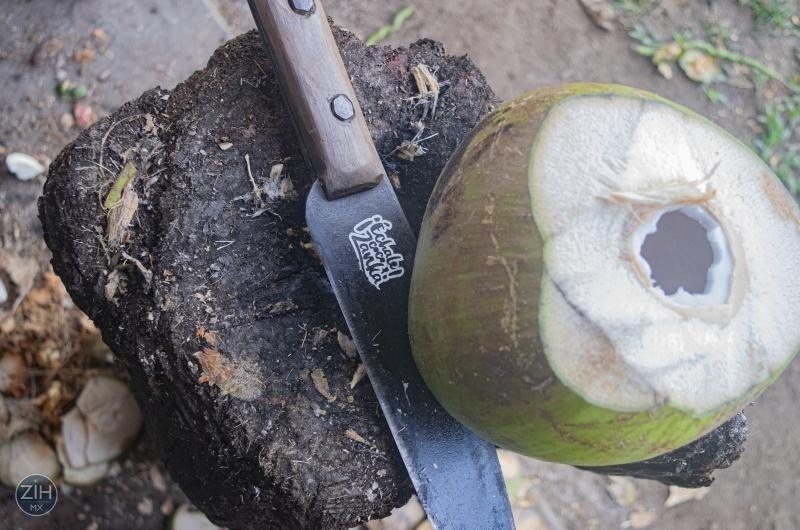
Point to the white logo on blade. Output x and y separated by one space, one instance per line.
375 250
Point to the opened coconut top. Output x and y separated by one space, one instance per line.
671 246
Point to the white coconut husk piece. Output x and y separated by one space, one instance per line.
17 275
186 519
25 454
17 416
79 476
23 166
103 424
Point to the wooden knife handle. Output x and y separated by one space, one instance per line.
321 99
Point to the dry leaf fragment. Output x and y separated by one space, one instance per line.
17 275
700 67
347 345
359 374
428 88
665 69
320 337
321 384
239 380
279 186
211 337
410 149
149 124
113 284
279 308
216 370
678 495
599 12
353 435
84 55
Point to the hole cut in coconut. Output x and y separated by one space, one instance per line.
685 254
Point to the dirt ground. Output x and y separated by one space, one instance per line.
519 44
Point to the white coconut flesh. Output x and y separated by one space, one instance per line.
669 257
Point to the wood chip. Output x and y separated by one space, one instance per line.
353 435
113 284
347 345
359 374
321 384
428 88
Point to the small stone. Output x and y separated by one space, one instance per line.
3 292
225 146
67 121
23 166
145 506
168 506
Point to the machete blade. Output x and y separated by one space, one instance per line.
367 248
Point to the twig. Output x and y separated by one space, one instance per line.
256 189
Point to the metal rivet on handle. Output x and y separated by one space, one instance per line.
303 7
342 107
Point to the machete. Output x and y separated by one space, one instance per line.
367 248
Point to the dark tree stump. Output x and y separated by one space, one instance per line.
249 427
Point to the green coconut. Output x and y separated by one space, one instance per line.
603 276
